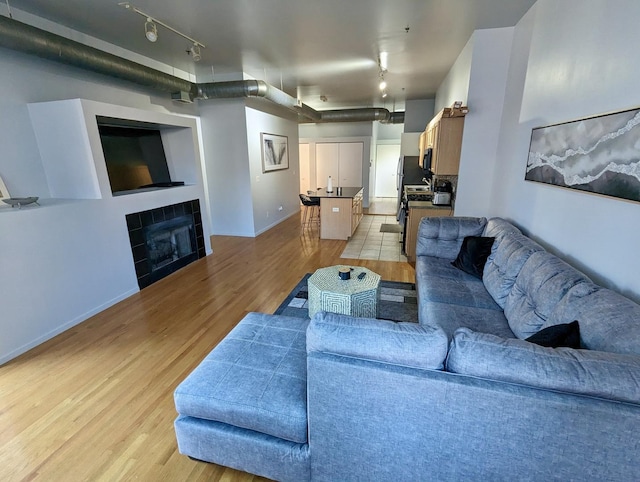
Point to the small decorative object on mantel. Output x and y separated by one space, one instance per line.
21 201
596 154
275 152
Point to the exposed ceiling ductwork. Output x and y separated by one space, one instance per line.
31 40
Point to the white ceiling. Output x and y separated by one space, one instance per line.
308 47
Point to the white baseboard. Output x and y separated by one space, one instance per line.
56 331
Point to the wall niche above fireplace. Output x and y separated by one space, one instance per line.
71 148
165 239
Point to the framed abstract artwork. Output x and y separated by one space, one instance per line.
4 193
598 155
275 152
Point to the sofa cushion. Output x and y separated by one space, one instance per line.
473 255
608 321
509 253
256 378
556 336
437 280
599 374
407 344
451 317
442 237
542 282
498 228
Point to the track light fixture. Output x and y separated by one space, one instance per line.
195 53
383 84
151 31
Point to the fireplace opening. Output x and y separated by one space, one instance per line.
170 241
165 239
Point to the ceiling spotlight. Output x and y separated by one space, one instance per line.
150 30
384 94
195 52
383 84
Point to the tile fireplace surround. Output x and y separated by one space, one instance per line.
180 227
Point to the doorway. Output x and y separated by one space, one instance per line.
387 156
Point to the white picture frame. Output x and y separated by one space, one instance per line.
275 152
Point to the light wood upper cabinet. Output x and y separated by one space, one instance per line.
444 136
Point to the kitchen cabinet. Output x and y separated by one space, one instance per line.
356 211
444 136
417 211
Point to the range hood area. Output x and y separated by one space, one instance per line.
31 40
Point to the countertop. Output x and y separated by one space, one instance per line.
347 192
427 205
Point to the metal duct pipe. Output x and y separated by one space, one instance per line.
355 115
31 40
255 88
395 118
24 38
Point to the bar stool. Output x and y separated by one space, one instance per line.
311 213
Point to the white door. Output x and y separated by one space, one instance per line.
350 164
387 156
327 154
305 181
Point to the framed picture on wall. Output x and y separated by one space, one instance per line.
3 190
275 152
599 155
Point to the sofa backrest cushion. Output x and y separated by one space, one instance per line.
406 344
509 253
595 373
608 321
498 227
542 282
442 237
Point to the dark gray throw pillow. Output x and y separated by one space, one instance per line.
563 335
473 255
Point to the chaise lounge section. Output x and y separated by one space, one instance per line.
462 395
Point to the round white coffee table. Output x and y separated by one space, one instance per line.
355 296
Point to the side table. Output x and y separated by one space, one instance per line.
355 297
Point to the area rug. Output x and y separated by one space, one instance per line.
398 301
390 228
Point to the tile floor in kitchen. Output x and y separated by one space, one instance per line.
369 243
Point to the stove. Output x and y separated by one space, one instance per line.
419 197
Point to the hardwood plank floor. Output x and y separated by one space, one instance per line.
96 402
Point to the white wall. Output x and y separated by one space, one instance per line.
389 132
485 99
336 129
566 62
224 133
417 113
64 260
275 194
455 86
569 62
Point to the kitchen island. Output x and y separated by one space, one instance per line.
340 211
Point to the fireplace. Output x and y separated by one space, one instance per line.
165 239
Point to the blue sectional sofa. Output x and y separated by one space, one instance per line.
460 396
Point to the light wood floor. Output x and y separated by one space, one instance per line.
95 403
